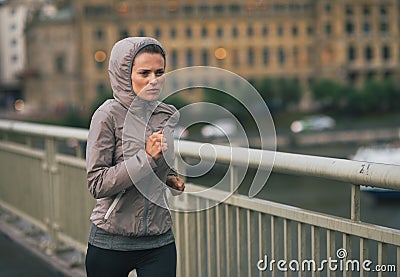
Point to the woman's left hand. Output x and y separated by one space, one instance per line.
176 183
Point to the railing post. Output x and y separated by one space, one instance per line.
180 167
50 177
233 184
355 203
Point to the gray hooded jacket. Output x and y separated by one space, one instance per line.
119 171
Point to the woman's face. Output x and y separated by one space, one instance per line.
146 69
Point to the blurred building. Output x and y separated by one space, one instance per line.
13 18
346 40
12 51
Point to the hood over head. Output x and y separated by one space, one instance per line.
120 66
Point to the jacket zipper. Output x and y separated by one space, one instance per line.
146 201
113 204
145 212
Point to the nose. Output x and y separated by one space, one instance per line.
153 78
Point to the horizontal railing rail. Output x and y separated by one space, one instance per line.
48 188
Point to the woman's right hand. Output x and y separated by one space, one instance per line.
156 144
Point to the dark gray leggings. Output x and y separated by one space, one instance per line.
148 263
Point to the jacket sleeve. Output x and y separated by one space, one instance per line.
105 178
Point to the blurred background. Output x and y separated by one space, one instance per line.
327 70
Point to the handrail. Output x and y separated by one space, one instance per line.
36 129
354 172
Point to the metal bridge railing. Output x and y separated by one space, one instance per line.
44 182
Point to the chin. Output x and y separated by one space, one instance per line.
149 97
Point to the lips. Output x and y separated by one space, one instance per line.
152 91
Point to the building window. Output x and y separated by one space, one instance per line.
266 55
250 56
328 28
98 10
366 10
351 53
349 27
234 8
235 32
14 59
388 74
349 10
280 30
352 77
188 32
204 9
172 32
189 57
310 30
101 88
384 27
205 57
220 32
142 32
60 63
281 56
328 8
124 33
295 55
188 10
250 31
295 31
369 53
366 27
204 32
383 10
157 33
218 9
99 34
386 53
174 59
265 31
235 57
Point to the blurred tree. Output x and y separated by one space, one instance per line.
74 118
375 96
330 94
102 96
392 94
279 93
176 100
290 91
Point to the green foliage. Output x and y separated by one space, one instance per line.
375 96
74 118
177 100
102 96
328 92
279 93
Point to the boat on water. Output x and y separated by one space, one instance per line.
386 154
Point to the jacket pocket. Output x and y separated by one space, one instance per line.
113 204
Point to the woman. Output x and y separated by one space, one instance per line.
129 150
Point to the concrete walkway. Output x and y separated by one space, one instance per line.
16 261
21 254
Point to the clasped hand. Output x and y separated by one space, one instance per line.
156 144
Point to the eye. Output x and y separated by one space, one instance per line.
159 72
144 73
